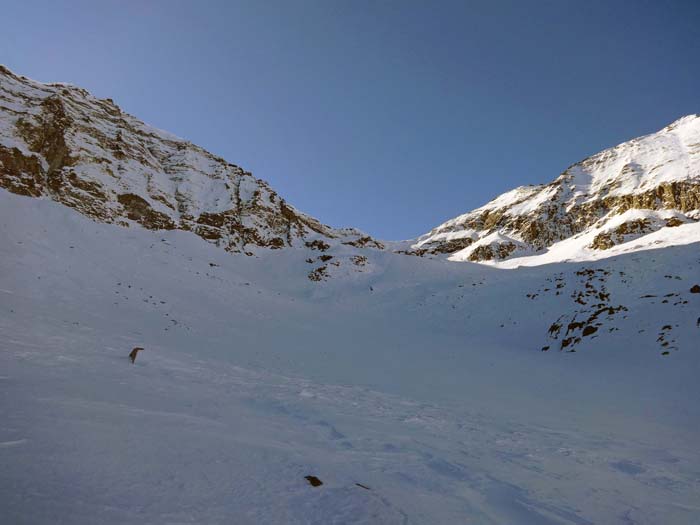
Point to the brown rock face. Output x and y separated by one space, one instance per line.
452 246
20 173
496 251
137 209
46 136
606 240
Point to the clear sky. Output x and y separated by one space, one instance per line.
390 116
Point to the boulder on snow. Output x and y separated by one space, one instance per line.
134 353
313 481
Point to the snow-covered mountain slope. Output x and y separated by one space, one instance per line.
647 185
58 141
417 390
410 378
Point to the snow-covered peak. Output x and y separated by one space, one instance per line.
61 142
672 154
659 172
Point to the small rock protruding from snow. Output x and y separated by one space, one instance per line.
313 481
134 353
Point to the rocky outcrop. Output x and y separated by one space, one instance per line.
621 233
21 174
489 252
365 241
137 209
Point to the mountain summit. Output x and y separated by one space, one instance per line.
59 141
639 187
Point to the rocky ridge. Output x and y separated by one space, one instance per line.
57 141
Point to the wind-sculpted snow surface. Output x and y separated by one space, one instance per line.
646 185
415 389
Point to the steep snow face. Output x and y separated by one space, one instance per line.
58 141
658 174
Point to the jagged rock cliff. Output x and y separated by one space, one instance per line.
620 194
60 142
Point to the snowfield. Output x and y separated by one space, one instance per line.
417 390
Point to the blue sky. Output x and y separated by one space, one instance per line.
388 116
